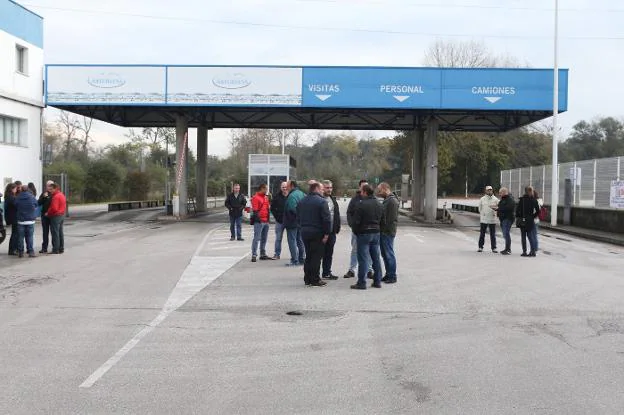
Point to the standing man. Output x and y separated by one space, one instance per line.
527 211
278 205
488 218
260 216
26 206
506 213
44 202
388 229
355 200
236 202
334 213
366 226
56 214
316 226
293 230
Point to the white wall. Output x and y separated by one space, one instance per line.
28 87
21 162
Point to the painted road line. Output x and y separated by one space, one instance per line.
199 273
417 237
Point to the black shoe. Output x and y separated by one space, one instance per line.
264 258
61 251
349 274
55 252
32 255
330 277
358 287
370 275
43 251
20 255
391 281
376 285
505 252
524 254
480 250
319 283
385 278
240 239
532 254
494 251
275 257
232 238
253 259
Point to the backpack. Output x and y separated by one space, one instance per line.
543 214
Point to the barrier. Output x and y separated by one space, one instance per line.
140 204
465 208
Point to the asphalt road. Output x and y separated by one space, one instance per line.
141 316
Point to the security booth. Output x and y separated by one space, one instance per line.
272 169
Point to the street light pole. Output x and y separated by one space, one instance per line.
555 161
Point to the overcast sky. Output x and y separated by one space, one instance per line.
341 32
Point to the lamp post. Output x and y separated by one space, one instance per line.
555 161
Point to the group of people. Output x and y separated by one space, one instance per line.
526 215
312 221
21 210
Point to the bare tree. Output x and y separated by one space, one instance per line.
154 138
85 126
69 127
465 54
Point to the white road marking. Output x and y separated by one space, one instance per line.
417 237
198 274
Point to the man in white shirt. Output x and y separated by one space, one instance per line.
487 212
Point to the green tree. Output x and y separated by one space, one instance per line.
103 180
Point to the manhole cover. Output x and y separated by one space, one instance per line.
294 313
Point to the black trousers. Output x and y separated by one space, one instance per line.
45 224
492 228
525 233
328 256
13 240
315 248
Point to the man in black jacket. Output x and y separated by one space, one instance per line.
236 202
366 227
355 200
315 221
44 202
278 204
334 212
388 230
527 211
506 212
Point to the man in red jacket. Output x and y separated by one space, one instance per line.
56 214
260 215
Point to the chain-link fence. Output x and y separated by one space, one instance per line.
591 181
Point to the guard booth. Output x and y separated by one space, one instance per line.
272 169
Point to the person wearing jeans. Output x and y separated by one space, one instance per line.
488 218
291 223
316 225
56 214
26 214
353 203
44 203
334 213
388 229
366 225
506 213
527 211
235 203
260 212
277 210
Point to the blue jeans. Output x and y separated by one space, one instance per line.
25 232
506 228
279 234
367 252
235 227
261 232
354 258
387 253
295 244
533 237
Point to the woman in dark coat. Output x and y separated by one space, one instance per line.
10 215
527 210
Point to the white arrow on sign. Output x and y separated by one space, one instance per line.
492 100
323 97
401 98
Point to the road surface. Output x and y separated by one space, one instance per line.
141 316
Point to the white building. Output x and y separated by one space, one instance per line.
21 94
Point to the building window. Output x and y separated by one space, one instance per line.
21 59
11 130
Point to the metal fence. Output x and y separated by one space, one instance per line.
591 181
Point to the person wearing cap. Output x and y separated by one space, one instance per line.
487 212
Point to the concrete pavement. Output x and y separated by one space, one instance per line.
461 332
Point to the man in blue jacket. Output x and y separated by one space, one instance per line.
315 221
291 223
26 214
